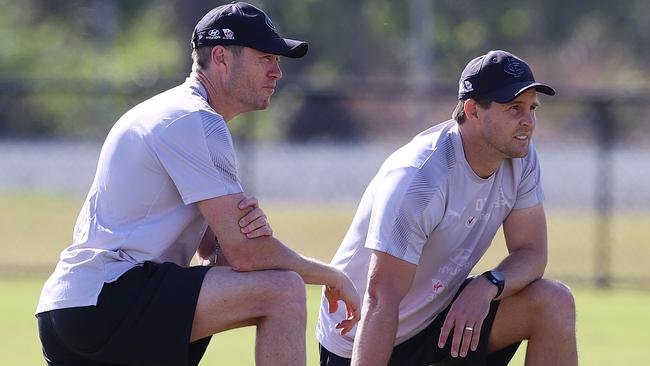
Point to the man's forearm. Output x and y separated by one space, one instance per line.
311 270
269 253
373 343
520 268
259 253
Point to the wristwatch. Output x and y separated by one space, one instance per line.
497 280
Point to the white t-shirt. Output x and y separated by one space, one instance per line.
428 207
160 158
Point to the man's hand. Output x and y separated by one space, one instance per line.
466 316
346 292
254 223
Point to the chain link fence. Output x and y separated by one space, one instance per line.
318 149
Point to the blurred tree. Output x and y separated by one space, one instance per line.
71 67
72 64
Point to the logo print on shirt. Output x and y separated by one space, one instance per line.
470 221
460 260
460 257
501 199
437 286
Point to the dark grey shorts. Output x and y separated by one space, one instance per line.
143 318
422 349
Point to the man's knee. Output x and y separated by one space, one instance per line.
292 284
288 290
554 301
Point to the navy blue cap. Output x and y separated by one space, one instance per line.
498 76
242 24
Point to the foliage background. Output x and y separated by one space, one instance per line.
70 68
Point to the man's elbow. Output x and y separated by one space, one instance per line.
541 264
243 260
241 263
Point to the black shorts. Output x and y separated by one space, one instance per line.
422 349
143 318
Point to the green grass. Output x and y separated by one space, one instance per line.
35 228
612 325
612 329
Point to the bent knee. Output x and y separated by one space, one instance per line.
553 293
293 281
288 285
554 299
288 295
564 297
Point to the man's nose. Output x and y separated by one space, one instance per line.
276 72
528 119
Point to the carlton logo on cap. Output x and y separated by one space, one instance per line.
270 24
513 67
498 76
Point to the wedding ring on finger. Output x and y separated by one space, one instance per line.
469 329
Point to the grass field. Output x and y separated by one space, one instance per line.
612 325
612 329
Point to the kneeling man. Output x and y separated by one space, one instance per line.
427 218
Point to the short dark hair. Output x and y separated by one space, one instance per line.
201 56
459 112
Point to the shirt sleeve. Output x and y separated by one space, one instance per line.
529 191
197 152
405 211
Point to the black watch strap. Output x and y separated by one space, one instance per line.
496 278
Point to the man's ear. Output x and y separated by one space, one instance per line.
471 109
219 56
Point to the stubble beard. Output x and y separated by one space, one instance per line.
504 148
509 152
244 91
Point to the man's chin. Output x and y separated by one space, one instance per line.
516 153
263 105
519 154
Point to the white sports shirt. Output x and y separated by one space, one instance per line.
160 158
428 207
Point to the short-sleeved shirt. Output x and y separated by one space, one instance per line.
428 207
158 160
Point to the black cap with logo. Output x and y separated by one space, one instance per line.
242 24
498 76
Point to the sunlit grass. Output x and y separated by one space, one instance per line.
35 228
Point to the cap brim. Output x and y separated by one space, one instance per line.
510 92
284 47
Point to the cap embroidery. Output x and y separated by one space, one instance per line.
270 24
228 34
213 34
468 86
514 68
